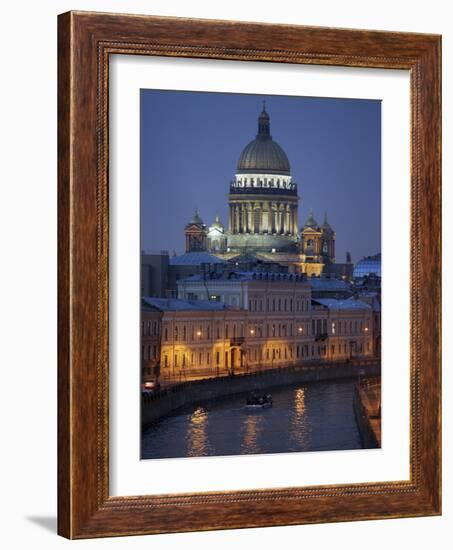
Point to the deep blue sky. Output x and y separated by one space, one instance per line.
191 142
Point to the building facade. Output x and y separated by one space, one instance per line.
251 322
151 336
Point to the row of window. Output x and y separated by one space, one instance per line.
259 330
203 358
150 328
279 305
149 352
349 327
265 182
231 331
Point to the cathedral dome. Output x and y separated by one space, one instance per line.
263 154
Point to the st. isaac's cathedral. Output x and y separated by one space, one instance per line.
263 216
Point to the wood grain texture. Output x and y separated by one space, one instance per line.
86 40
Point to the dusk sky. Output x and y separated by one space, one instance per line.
191 143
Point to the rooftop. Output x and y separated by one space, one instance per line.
325 283
173 304
246 276
350 304
195 258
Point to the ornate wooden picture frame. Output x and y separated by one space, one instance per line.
86 42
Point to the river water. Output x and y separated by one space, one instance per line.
304 417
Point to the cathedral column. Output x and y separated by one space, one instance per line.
265 221
249 218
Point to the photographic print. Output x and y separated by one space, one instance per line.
260 274
244 176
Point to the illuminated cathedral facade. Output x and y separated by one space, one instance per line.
263 204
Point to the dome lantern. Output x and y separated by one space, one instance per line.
264 124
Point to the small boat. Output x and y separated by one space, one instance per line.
258 401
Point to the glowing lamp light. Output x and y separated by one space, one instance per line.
198 332
252 331
300 329
366 329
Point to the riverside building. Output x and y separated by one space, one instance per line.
240 322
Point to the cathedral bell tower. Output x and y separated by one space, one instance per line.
328 241
317 246
196 234
311 243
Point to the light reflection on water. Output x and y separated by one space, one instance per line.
251 429
299 431
308 417
197 438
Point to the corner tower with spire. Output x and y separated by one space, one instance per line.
317 245
196 234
